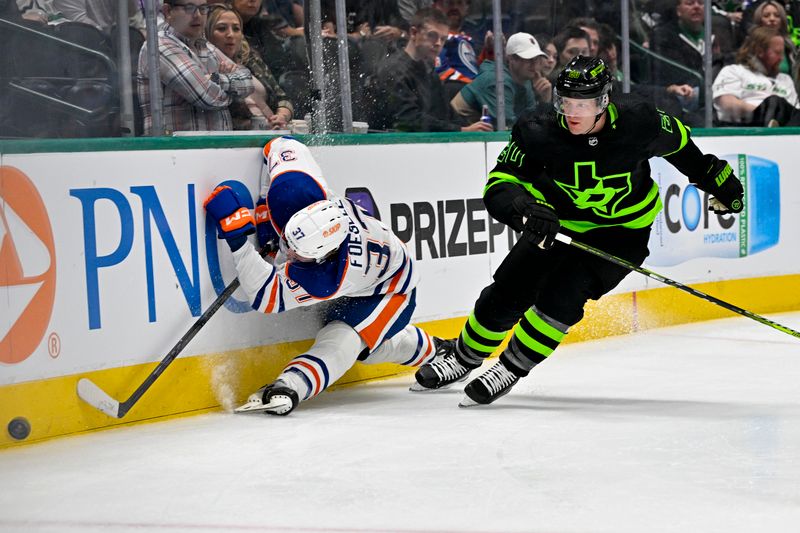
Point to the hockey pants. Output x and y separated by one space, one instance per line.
541 293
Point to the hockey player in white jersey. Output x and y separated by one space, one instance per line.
330 249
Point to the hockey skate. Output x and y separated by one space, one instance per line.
274 399
489 386
443 371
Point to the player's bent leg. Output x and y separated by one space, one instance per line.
411 346
334 351
535 337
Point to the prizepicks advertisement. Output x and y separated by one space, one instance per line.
685 229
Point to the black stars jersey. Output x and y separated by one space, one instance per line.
595 180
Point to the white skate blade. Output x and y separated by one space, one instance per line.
466 401
278 404
416 387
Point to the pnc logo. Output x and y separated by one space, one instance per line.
27 266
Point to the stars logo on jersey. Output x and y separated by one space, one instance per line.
601 194
592 141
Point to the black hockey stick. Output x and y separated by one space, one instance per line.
650 274
99 399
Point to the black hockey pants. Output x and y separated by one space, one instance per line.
544 292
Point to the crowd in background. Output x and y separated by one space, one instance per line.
415 65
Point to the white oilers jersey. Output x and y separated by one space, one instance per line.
372 261
285 154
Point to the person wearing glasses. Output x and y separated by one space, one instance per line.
414 94
198 81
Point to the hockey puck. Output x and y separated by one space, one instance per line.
19 428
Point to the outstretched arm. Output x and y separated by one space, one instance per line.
710 174
673 142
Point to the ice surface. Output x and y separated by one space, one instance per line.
687 429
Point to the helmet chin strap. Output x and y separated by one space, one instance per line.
596 120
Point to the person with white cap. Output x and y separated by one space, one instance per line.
524 83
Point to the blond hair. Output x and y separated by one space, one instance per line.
759 12
214 14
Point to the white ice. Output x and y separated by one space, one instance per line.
687 429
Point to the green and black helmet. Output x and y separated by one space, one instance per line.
584 78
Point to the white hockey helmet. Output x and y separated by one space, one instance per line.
316 231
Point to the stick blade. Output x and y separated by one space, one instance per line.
98 398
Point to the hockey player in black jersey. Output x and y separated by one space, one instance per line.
581 168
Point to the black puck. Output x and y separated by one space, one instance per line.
19 428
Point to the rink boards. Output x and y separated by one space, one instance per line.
106 259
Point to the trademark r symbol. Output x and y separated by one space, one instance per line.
54 345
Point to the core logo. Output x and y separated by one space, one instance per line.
27 266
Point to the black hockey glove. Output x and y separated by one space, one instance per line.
725 188
538 220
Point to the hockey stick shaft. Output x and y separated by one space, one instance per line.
99 399
89 392
667 281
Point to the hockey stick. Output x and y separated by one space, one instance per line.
100 400
650 274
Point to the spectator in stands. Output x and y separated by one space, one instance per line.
570 43
523 81
772 14
665 98
681 39
42 11
198 81
101 14
551 60
609 54
261 31
457 62
407 8
376 19
607 51
790 7
753 91
289 17
413 93
267 107
592 29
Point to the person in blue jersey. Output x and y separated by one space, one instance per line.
579 167
329 249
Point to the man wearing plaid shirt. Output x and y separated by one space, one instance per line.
198 81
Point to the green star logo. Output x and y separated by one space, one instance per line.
601 194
